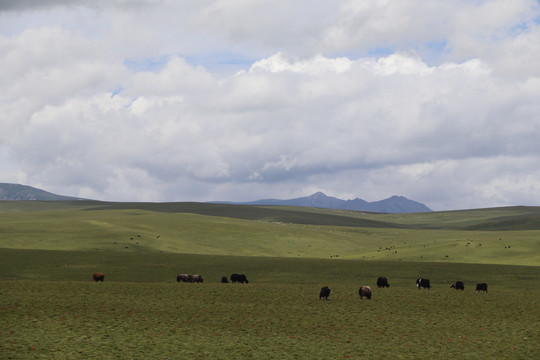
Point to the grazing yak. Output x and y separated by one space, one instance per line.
241 278
183 278
423 283
98 277
382 282
481 287
325 293
458 285
197 279
365 291
224 280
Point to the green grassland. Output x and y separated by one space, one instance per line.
49 308
499 236
84 320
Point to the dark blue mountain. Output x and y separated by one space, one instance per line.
24 192
394 204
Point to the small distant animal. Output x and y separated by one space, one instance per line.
224 280
183 278
481 287
325 293
458 285
98 277
382 282
423 283
241 278
365 291
197 279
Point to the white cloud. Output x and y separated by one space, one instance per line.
363 100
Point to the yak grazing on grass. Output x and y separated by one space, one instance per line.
197 279
458 285
224 280
382 282
183 278
325 293
481 287
241 278
423 283
98 277
365 291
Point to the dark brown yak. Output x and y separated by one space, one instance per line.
365 291
183 278
197 279
98 277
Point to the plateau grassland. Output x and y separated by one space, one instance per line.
49 308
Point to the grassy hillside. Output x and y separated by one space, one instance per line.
498 236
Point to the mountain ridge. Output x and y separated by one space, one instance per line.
14 192
393 204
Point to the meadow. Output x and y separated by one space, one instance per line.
66 319
49 308
489 236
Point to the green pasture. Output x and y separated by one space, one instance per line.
149 320
499 236
49 308
55 265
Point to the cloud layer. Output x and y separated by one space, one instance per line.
240 100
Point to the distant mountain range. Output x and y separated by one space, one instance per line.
394 204
24 192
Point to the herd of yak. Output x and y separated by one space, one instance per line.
235 278
364 291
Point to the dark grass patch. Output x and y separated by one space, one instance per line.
50 265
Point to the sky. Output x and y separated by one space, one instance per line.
240 100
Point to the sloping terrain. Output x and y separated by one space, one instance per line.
498 236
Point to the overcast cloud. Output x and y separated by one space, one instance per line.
438 101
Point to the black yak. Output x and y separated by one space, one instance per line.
423 283
241 278
325 293
382 282
458 285
481 287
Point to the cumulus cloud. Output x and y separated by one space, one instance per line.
319 107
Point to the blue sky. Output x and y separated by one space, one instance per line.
241 100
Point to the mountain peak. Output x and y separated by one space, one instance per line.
394 204
24 192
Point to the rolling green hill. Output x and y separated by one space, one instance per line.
497 236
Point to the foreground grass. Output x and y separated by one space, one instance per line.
70 319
